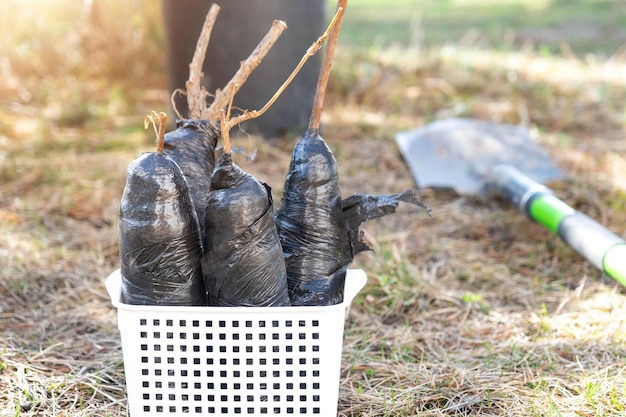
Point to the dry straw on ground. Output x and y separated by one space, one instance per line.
475 312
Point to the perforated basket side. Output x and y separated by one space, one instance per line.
225 361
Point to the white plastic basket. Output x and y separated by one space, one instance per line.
232 360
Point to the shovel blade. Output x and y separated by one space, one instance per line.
460 154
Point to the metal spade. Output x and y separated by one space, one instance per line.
476 157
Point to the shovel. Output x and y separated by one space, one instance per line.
475 157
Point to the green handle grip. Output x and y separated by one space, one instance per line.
604 249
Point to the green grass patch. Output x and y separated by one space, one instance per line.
587 26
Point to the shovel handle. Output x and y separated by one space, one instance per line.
601 247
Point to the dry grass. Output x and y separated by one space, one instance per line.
473 312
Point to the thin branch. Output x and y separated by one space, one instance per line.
252 114
155 118
225 131
245 69
196 94
322 81
224 126
173 100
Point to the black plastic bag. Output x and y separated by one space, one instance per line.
359 208
320 233
159 235
310 224
243 264
192 146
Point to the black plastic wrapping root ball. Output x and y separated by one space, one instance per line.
192 146
321 233
243 264
159 236
310 224
359 208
